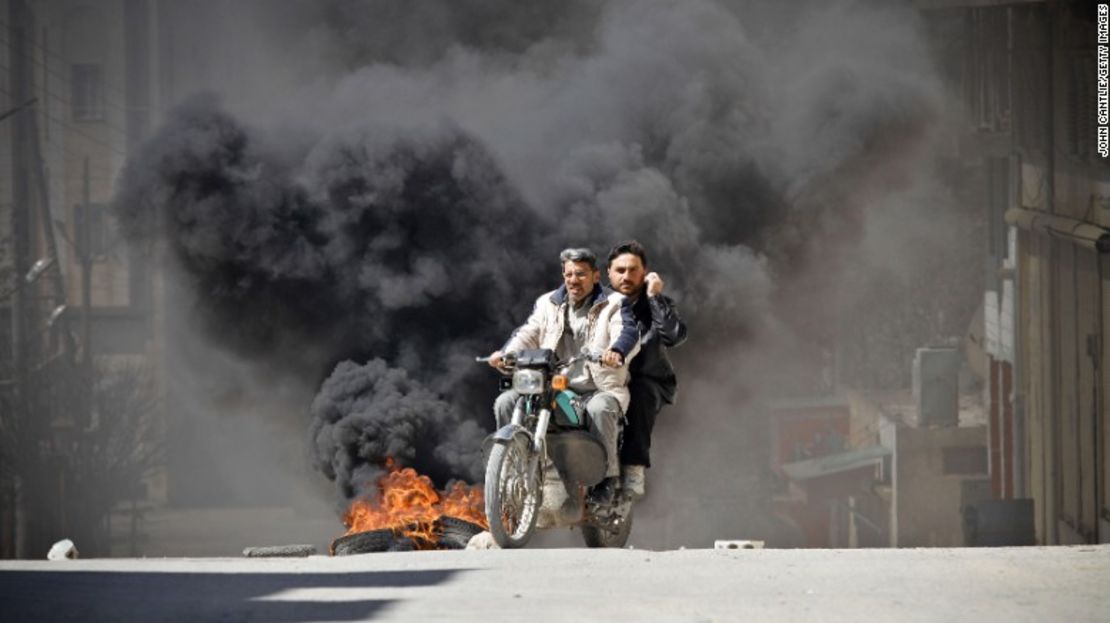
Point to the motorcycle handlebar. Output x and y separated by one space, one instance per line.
592 356
509 359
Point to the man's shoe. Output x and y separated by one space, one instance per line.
633 482
605 492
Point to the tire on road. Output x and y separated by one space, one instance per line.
363 542
402 544
456 533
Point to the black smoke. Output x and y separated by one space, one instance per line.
399 212
408 247
366 412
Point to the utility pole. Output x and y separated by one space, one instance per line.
20 89
85 247
56 276
31 374
60 370
21 196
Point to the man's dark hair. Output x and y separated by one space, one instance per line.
578 255
629 246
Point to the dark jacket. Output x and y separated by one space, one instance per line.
660 329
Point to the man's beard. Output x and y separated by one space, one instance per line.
632 292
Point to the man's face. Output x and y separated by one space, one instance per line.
626 274
580 279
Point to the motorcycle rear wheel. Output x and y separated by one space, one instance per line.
600 537
512 492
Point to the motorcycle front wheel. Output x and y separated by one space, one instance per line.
512 492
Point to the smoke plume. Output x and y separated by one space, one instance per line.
367 412
405 245
396 213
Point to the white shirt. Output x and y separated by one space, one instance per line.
575 327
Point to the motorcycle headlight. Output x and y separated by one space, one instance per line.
528 382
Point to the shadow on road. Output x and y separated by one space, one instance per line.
129 596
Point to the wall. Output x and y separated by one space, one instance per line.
926 502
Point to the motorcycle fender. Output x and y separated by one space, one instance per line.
504 434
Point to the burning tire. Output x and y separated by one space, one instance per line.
402 544
512 492
456 533
363 542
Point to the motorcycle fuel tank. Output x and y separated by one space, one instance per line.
570 408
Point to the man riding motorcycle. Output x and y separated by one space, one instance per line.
581 314
653 381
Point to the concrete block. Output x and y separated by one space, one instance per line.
482 540
63 550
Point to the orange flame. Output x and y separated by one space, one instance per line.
467 503
409 504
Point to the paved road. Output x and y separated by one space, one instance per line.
1013 584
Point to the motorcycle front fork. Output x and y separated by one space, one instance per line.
535 461
544 419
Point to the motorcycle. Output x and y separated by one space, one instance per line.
547 447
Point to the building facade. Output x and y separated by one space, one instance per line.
78 93
1028 70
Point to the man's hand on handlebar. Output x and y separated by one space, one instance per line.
612 358
497 360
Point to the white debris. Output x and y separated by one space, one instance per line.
62 550
482 540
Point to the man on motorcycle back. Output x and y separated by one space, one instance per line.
653 380
581 314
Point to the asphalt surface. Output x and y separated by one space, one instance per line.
1007 584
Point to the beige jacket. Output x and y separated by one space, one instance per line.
611 325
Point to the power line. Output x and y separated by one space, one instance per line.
65 146
75 130
27 53
68 105
72 128
65 61
18 108
65 79
65 102
67 150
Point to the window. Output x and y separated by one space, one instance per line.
987 81
87 91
